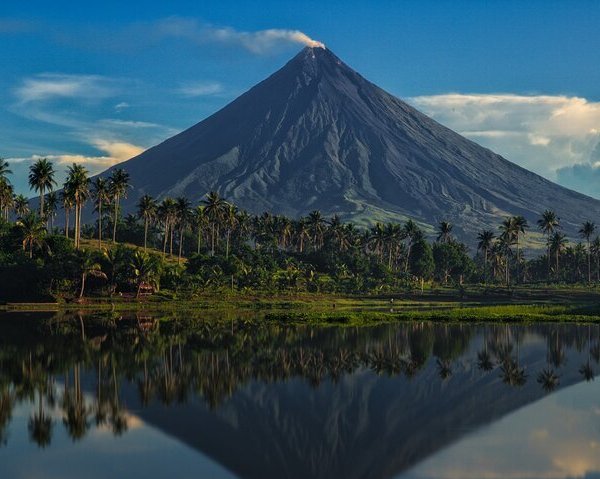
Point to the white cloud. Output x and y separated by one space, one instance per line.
119 107
544 133
200 89
259 42
48 86
115 152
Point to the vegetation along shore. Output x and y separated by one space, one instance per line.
213 255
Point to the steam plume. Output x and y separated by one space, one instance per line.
260 41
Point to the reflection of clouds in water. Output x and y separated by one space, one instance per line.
556 437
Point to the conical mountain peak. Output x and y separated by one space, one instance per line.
317 135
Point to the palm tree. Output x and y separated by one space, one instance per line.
6 197
4 168
486 239
166 213
316 223
41 178
101 195
200 220
557 243
596 251
507 239
410 231
230 218
520 225
586 231
445 232
51 207
145 268
40 425
78 184
6 191
118 184
548 379
183 215
21 205
32 230
214 210
548 224
302 233
88 266
67 199
146 209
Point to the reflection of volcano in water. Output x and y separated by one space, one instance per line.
364 424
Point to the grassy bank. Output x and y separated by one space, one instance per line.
472 304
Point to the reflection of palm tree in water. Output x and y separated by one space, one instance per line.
484 358
586 369
76 412
6 407
510 370
118 421
40 424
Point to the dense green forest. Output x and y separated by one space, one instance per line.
178 249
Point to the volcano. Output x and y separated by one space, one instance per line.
317 135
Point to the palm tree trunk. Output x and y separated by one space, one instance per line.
557 264
165 238
42 203
548 256
180 245
485 266
199 238
30 249
76 232
145 232
589 263
100 224
227 246
171 242
82 285
67 222
213 239
115 218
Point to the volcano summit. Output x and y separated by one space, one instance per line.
317 135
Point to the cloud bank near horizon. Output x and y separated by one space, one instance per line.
556 136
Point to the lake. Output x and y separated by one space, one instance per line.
112 395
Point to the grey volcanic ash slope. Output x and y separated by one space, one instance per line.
317 135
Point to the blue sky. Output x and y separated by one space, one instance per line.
99 82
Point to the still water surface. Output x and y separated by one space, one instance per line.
101 397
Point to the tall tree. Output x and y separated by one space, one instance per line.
586 231
183 218
32 231
548 224
67 199
445 232
78 184
557 243
485 241
51 207
21 205
101 195
118 185
41 179
214 207
166 213
146 209
520 225
200 221
6 190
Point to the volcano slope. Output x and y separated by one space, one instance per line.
317 135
